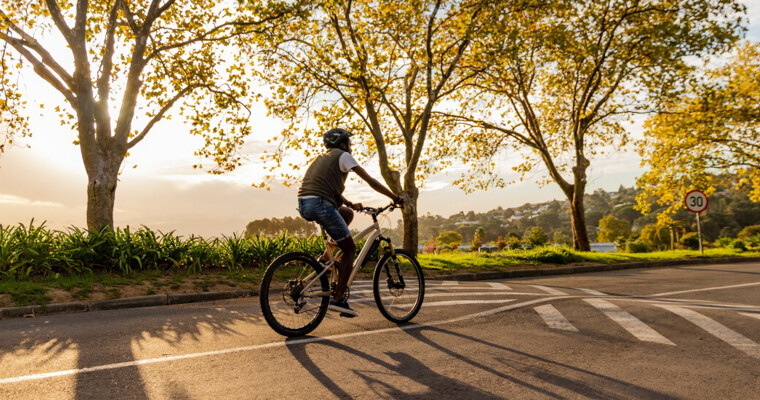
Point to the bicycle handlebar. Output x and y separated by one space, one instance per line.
374 212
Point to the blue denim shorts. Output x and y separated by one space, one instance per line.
321 211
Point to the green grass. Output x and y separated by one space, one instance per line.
449 262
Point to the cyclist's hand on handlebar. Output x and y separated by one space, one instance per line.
357 206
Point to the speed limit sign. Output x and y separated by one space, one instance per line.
696 201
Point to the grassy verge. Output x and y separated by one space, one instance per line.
93 286
457 262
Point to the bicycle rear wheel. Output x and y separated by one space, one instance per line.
287 311
398 289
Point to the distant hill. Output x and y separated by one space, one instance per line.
729 211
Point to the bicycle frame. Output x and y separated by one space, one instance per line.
374 233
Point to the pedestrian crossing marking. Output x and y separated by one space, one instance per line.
753 315
498 285
449 283
591 291
717 329
628 322
555 319
549 290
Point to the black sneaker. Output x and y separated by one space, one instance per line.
342 307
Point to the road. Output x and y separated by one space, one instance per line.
682 332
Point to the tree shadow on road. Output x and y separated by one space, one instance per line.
120 334
393 383
578 380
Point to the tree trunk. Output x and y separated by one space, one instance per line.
102 173
409 215
578 221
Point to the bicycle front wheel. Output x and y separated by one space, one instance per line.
286 309
398 286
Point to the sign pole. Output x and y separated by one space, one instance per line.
699 230
696 201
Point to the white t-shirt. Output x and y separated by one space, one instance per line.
347 162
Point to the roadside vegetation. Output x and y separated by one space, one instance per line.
39 265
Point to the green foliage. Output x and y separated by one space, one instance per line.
37 251
612 229
749 231
449 237
690 240
636 246
655 237
476 243
738 244
536 236
723 242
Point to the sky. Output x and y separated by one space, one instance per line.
159 188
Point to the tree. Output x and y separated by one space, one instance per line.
536 236
448 237
379 69
612 229
706 136
562 80
480 233
133 60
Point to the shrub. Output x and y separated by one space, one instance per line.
536 236
739 244
500 243
690 241
513 242
748 232
723 242
637 246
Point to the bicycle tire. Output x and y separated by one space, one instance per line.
415 287
268 293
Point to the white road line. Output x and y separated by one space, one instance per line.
630 323
717 329
429 295
705 289
549 290
753 315
554 318
449 283
450 288
591 291
464 302
694 304
283 343
498 285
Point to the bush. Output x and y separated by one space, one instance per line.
748 232
637 246
690 241
536 236
738 244
723 242
551 255
500 243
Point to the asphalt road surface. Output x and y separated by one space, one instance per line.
683 332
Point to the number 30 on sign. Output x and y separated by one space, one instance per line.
696 201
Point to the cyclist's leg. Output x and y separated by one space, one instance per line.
348 247
348 215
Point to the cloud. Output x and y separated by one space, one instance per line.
16 200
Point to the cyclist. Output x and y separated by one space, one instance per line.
320 199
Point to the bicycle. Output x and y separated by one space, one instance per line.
296 289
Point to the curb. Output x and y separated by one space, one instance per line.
527 273
116 304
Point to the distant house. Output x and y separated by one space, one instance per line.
467 223
603 247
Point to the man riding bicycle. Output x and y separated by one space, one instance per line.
320 199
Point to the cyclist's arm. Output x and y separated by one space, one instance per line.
374 184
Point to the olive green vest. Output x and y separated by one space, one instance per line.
325 179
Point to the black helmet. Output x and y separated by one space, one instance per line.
334 137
